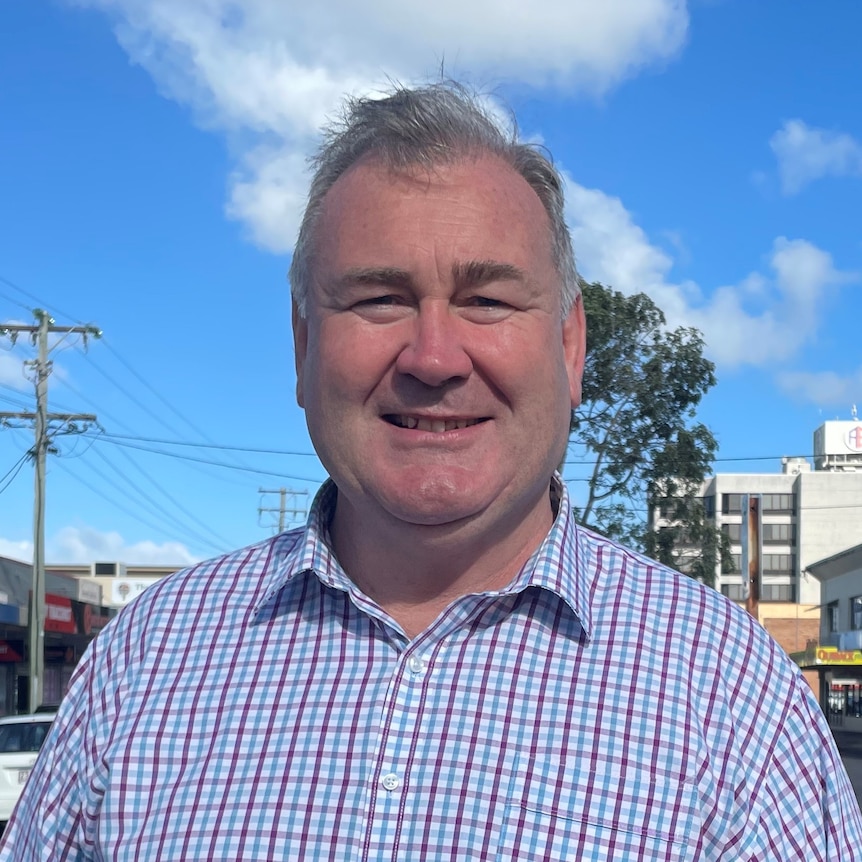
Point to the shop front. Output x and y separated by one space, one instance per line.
69 626
839 673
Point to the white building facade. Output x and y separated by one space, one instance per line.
809 512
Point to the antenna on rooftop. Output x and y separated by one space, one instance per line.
853 412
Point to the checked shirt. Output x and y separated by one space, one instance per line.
601 707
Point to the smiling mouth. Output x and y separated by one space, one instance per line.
435 426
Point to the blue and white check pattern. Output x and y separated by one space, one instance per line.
258 707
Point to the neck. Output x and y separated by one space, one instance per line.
413 571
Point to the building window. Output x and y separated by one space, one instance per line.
777 593
832 616
733 592
733 532
779 564
709 506
783 503
779 534
667 508
856 612
731 504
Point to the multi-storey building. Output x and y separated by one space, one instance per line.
810 511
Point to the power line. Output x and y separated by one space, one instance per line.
248 449
121 506
127 366
224 464
14 470
155 508
36 299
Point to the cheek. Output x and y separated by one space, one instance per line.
342 371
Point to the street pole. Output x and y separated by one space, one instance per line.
283 509
37 598
41 420
752 552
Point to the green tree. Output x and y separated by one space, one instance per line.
637 422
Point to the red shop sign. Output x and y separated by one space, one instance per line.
58 615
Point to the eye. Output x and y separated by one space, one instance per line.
486 309
487 302
379 300
382 307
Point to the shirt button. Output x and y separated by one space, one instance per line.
416 664
391 781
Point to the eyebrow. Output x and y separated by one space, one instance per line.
475 273
382 276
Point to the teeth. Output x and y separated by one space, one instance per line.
434 426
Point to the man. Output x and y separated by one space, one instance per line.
442 665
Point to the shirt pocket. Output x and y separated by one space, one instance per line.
609 817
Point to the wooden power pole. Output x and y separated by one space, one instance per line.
45 427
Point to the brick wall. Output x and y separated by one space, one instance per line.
793 636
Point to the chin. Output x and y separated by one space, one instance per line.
434 503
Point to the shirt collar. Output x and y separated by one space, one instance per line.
559 565
305 550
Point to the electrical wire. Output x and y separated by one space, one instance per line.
223 464
248 449
219 539
13 471
101 494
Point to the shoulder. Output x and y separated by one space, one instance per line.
623 580
234 580
184 610
697 636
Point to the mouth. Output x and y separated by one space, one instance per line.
435 426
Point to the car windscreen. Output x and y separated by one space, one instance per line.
22 737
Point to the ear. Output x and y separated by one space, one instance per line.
575 348
300 349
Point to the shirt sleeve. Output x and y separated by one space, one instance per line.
54 817
804 806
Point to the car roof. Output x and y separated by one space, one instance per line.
41 717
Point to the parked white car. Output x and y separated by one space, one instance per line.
21 737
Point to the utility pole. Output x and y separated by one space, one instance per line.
42 420
283 509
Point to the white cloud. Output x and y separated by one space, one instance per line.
85 545
12 372
760 320
824 388
806 154
268 196
22 551
80 545
272 71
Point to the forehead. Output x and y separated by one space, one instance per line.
475 208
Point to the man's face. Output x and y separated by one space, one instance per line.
436 372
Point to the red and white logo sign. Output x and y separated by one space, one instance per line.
853 439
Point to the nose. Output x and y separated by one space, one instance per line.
435 353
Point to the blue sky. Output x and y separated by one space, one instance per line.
152 172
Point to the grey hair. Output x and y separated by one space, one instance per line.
427 127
